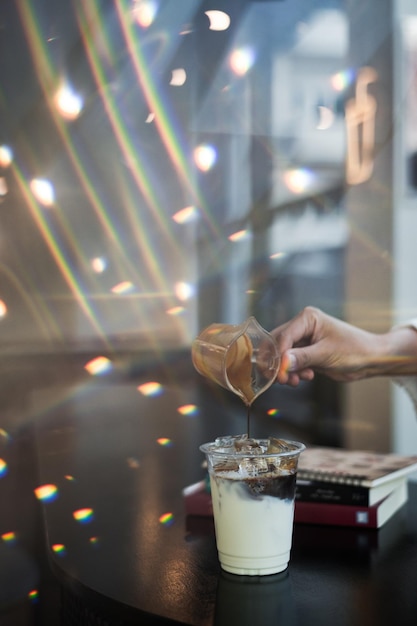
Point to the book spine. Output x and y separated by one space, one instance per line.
335 515
334 493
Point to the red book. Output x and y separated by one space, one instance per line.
349 515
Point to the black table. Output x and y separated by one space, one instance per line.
123 458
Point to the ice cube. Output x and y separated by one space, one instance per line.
276 445
253 466
249 446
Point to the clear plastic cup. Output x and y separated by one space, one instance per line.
242 358
252 490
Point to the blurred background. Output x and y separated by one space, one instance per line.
169 164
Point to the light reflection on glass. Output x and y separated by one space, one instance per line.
205 157
151 388
99 365
43 191
219 20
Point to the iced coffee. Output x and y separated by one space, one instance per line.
252 486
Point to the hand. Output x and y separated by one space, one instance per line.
316 342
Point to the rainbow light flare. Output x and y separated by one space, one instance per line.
58 548
167 519
164 441
188 409
151 388
9 537
83 515
3 467
46 493
33 595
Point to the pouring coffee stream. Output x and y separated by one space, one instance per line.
242 358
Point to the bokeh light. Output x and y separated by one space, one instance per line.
6 156
178 77
241 60
99 365
184 291
205 157
83 515
186 215
43 191
99 264
94 540
219 20
151 388
342 80
46 493
299 180
144 12
273 412
68 103
3 309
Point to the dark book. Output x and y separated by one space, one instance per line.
373 516
353 467
340 493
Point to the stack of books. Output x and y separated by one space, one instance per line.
335 487
350 487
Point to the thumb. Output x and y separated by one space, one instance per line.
298 359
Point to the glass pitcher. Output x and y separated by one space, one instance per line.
242 358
